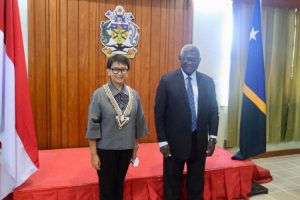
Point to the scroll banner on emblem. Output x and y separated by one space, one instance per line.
119 35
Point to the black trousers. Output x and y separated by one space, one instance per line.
114 166
173 170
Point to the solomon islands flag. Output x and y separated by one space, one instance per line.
253 115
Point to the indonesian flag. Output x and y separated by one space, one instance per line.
18 153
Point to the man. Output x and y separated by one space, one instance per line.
186 119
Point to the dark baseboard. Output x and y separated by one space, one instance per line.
278 153
282 152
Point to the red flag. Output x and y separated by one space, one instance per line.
19 155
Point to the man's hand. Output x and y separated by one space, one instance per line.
165 151
211 146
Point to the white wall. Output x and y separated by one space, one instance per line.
24 24
212 34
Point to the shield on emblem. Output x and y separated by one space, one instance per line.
119 34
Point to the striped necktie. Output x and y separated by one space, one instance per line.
192 103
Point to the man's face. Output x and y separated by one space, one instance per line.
190 60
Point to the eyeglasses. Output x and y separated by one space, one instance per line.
117 70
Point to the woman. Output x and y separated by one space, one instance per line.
115 122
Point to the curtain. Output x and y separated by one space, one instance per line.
281 63
293 118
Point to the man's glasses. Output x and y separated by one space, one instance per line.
117 70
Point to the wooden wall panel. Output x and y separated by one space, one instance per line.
63 66
66 63
73 85
83 65
53 76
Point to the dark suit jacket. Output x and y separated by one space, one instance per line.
173 115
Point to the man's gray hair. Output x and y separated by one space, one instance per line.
189 46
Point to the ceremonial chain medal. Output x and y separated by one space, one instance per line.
121 118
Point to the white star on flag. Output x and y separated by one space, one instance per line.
253 34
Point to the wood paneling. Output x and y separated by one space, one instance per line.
66 63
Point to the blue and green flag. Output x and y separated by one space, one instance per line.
253 115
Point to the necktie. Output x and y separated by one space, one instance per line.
190 95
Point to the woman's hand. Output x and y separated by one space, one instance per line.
95 160
94 156
134 153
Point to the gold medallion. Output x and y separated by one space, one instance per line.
122 121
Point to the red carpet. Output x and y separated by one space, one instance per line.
66 174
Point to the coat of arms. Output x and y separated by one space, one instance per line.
119 34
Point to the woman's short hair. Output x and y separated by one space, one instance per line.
119 58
